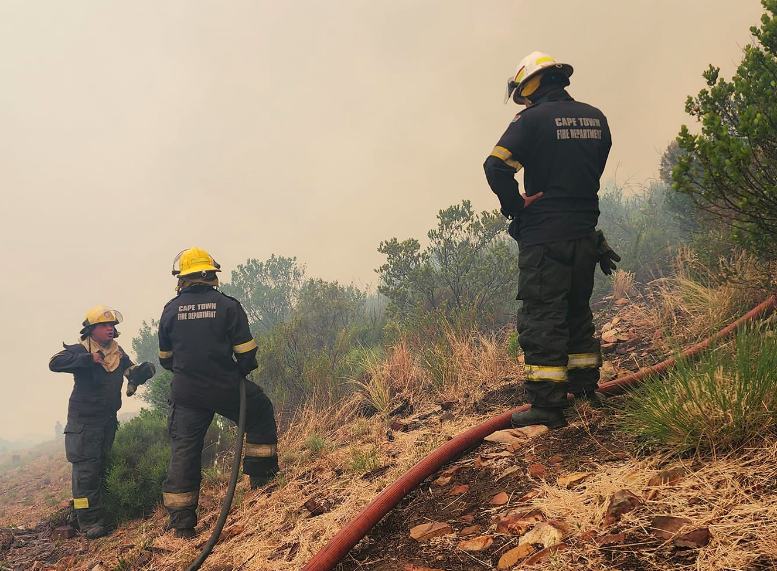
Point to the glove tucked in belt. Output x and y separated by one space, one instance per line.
607 256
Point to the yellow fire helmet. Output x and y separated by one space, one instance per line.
194 261
100 314
527 76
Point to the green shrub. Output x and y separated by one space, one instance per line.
136 467
724 401
513 346
156 391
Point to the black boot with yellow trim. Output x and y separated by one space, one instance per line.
546 390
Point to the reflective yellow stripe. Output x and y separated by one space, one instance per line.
544 59
583 361
506 156
245 347
501 153
261 450
165 354
542 373
182 500
80 503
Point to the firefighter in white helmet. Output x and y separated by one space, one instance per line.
98 365
561 145
205 340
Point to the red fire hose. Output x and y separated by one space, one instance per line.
333 552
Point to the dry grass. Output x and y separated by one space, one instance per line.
735 497
699 300
35 485
390 379
623 284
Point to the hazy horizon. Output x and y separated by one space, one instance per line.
131 131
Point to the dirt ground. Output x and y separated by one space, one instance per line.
588 443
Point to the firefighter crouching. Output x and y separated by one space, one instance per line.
98 365
200 331
562 145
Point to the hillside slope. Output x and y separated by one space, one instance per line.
565 480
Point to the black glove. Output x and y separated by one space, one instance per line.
607 256
141 373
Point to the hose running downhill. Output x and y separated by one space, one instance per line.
337 547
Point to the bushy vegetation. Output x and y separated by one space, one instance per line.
644 227
137 466
469 267
724 401
729 167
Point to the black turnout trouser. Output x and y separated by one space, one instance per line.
86 448
555 323
187 427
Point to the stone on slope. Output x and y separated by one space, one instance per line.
621 502
429 530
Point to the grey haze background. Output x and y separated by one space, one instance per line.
132 130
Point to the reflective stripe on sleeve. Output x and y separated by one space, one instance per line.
182 500
583 361
165 354
507 157
245 347
543 373
261 450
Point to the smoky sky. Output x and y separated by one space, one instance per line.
132 130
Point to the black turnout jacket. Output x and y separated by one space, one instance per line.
563 146
204 339
96 395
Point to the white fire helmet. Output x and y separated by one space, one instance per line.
531 67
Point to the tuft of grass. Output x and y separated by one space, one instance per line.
362 461
623 284
718 404
315 443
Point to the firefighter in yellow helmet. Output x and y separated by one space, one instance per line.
98 365
562 147
205 340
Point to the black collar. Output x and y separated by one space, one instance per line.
555 95
196 288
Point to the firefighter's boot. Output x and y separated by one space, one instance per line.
550 417
96 531
259 481
594 399
184 533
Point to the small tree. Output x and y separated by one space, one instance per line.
267 290
470 264
730 168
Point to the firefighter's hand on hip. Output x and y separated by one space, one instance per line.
527 200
